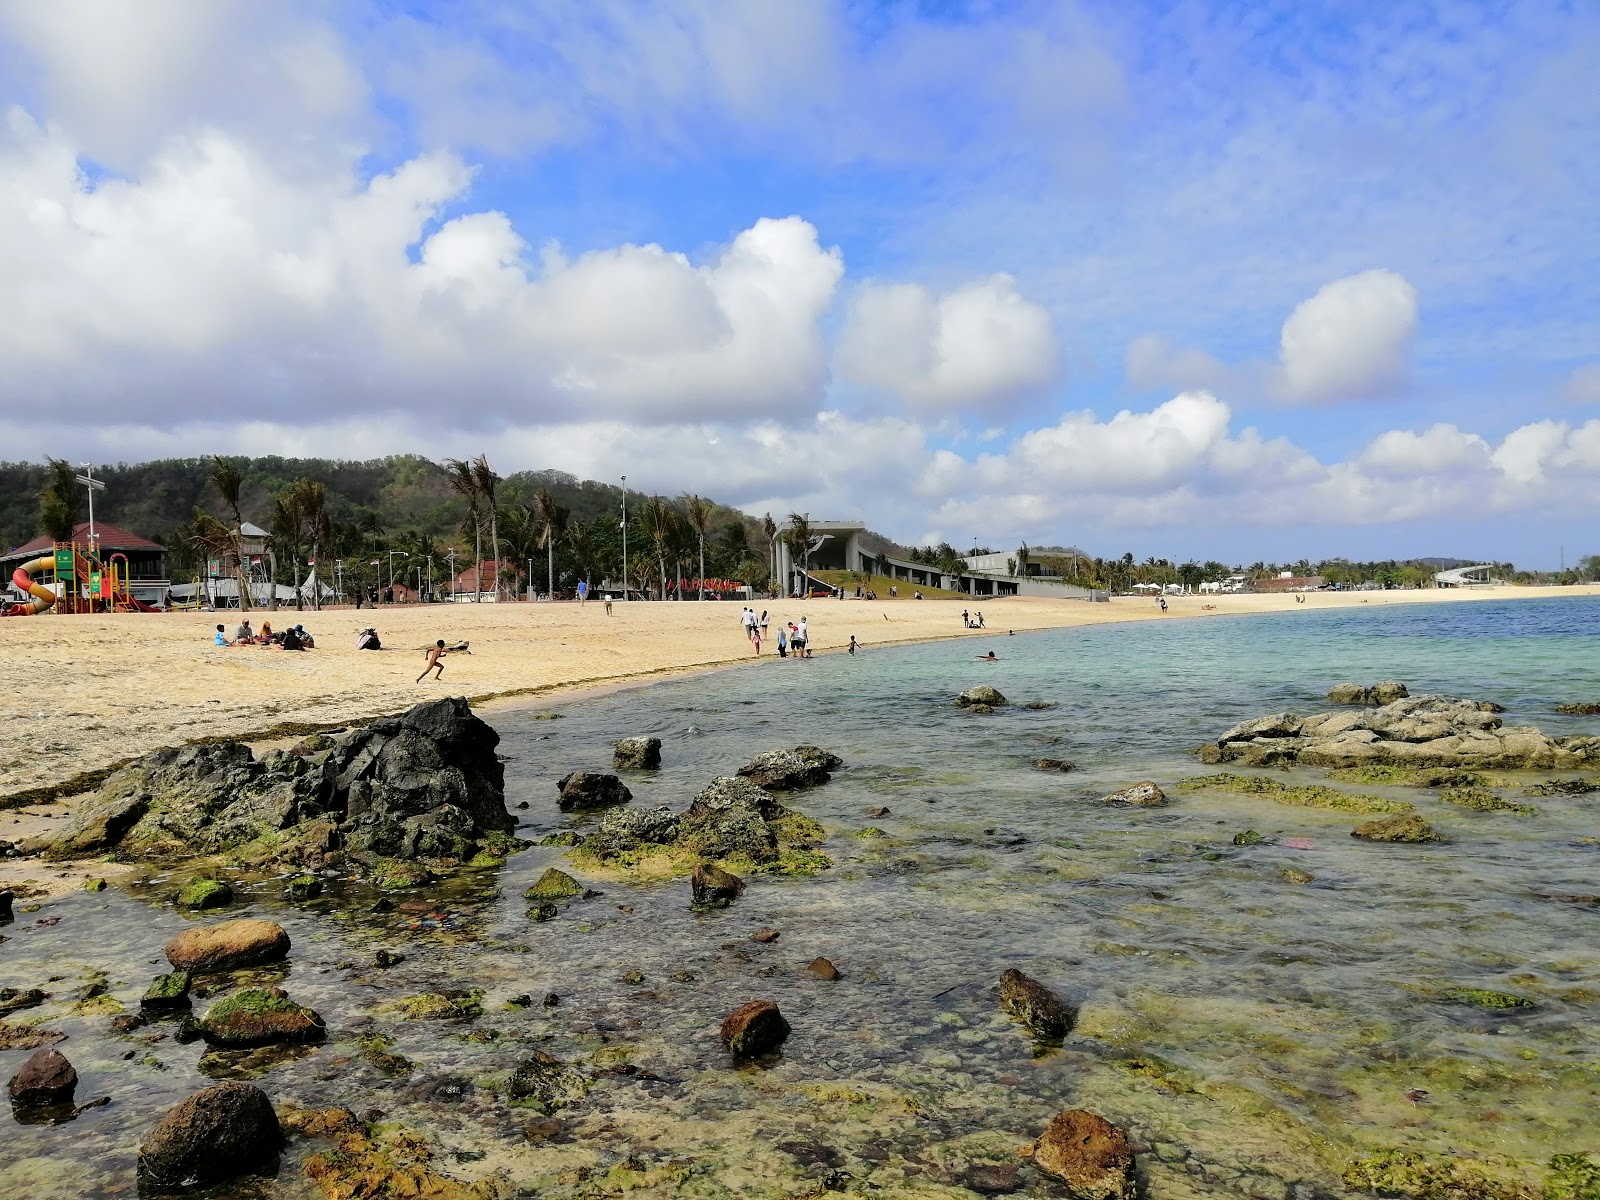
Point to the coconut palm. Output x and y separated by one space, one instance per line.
698 512
798 539
581 543
463 482
487 480
288 527
553 519
660 526
58 502
226 477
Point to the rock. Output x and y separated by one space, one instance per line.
984 695
260 1017
1386 692
545 911
1580 710
585 790
1278 725
399 874
218 1133
12 999
880 811
303 887
1144 795
1408 828
554 884
992 1179
205 893
790 770
425 784
765 935
754 1029
637 754
385 959
729 818
46 1079
5 906
1054 764
625 830
94 885
1035 1005
547 1083
1296 876
1087 1153
730 792
823 969
167 993
228 945
713 887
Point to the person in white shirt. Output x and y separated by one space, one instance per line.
801 640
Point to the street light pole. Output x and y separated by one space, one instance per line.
392 553
451 559
430 577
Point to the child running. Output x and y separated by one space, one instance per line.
436 653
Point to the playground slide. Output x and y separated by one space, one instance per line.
43 597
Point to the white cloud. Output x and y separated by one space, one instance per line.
1351 340
977 346
1438 450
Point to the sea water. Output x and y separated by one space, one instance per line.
1254 1034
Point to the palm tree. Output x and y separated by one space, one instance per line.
582 544
58 502
487 480
769 529
798 540
288 526
699 513
661 525
553 519
318 528
229 482
463 481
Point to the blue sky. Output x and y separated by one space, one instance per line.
1215 279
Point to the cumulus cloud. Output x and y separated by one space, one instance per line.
1440 449
978 346
1351 340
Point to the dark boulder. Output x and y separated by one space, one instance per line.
1035 1005
754 1029
790 770
729 818
625 830
713 887
1089 1154
218 1133
583 790
982 696
45 1080
166 993
637 754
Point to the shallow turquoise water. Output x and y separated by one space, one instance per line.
1251 1032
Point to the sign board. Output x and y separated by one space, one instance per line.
95 588
64 565
214 568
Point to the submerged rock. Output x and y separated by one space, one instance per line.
713 887
425 784
218 1133
1408 828
1580 710
1386 692
754 1029
1035 1005
226 946
260 1017
45 1080
205 893
167 993
547 1083
1087 1153
823 969
984 695
1144 795
790 770
554 884
1054 764
583 790
637 754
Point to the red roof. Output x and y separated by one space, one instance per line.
491 569
110 537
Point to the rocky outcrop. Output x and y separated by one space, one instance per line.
1087 1153
584 790
1386 692
1578 710
1409 828
426 784
1035 1005
546 1083
45 1081
790 770
730 818
260 1017
216 1134
1143 795
1419 731
637 754
228 946
712 887
754 1029
982 696
628 830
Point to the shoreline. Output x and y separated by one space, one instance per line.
231 693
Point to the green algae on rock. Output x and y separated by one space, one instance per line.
1573 1177
260 1017
368 1164
1432 1177
1035 1005
167 992
1488 998
1480 799
554 884
438 1006
205 893
398 874
1410 828
1305 795
545 1083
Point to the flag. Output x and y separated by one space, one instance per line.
311 562
377 562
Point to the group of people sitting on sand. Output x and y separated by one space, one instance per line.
293 638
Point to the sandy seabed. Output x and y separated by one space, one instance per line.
89 691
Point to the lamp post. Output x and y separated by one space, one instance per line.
430 577
451 559
392 553
624 537
338 578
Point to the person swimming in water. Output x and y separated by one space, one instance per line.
989 657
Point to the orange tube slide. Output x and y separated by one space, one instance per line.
43 597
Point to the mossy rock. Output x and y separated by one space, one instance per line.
260 1017
1433 1177
167 992
1250 838
1410 829
871 831
1488 998
397 874
566 837
397 1163
1304 795
205 893
303 887
440 1006
554 884
1480 799
1573 1177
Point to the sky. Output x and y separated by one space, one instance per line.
1209 280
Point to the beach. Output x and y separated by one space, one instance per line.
90 691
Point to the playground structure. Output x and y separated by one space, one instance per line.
83 582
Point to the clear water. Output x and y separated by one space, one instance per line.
1254 1034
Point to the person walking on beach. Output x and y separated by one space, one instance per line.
583 591
755 639
435 661
802 640
853 643
762 624
783 642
